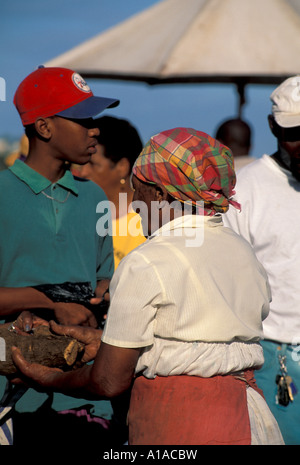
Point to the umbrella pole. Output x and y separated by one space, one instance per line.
242 100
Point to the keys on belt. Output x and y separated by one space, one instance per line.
286 389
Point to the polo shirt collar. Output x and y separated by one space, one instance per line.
37 182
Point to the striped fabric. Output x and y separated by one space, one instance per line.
10 397
6 428
192 166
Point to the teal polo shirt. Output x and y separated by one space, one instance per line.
48 236
47 241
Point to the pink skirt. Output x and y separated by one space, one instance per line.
189 410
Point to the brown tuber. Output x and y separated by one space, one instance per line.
41 346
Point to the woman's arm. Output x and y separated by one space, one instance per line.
110 374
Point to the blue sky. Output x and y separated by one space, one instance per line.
33 32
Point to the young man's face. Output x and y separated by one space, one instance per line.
74 140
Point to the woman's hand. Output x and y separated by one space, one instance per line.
46 377
32 373
90 337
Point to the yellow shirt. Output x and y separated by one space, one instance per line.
124 239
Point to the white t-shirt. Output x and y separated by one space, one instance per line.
270 222
242 160
196 307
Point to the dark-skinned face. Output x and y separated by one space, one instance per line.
74 140
289 141
144 194
293 149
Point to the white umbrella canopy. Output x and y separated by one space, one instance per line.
240 41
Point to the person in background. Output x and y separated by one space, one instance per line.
181 330
119 144
49 248
236 134
19 154
269 192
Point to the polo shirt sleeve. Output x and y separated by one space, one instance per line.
105 259
136 292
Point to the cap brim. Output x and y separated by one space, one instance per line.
287 120
89 107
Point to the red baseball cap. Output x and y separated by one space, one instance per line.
57 91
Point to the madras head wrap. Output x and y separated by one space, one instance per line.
192 166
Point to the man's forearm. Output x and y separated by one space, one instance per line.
14 300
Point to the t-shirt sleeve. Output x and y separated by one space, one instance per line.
105 259
136 291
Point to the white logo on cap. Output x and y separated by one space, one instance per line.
80 83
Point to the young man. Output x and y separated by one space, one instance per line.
48 237
269 192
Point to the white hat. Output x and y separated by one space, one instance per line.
286 103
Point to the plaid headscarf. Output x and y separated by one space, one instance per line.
192 166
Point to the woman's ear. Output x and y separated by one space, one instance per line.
123 167
161 193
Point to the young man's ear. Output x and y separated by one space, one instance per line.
42 128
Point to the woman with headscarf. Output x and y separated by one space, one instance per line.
186 310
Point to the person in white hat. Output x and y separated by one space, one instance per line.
269 193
